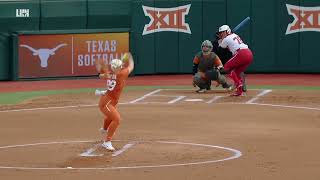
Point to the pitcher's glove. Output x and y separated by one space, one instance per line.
100 92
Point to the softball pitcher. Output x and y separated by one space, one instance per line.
115 81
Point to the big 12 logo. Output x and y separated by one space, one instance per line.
305 19
166 19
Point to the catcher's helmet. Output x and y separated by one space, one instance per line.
206 47
225 28
116 64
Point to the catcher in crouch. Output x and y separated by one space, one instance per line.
206 67
115 78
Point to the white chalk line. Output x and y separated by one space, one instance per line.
193 100
153 102
250 102
236 154
80 106
123 149
46 143
176 99
152 93
285 106
264 92
162 95
215 98
47 108
144 96
220 90
90 152
163 103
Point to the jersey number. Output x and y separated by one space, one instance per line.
111 84
238 39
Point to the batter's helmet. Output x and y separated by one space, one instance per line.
225 28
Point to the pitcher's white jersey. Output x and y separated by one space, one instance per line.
233 42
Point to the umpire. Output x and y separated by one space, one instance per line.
206 66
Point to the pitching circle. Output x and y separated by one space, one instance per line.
236 154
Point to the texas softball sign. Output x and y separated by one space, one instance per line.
68 54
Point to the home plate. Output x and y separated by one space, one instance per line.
193 100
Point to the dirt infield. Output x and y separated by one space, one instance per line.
168 134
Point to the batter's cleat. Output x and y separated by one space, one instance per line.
243 78
244 88
238 92
107 145
201 90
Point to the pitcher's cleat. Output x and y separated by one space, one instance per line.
103 131
107 145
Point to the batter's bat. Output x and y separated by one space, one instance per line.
241 24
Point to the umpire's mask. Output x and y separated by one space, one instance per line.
206 47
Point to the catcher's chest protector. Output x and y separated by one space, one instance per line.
206 64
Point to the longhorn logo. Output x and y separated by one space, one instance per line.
166 19
43 54
305 19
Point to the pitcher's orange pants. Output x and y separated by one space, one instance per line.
112 117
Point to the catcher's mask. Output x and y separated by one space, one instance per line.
206 47
116 64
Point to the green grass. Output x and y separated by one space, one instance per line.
17 97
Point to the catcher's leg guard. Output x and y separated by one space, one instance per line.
223 80
208 84
215 75
201 83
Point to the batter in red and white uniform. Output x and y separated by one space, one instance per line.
242 56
